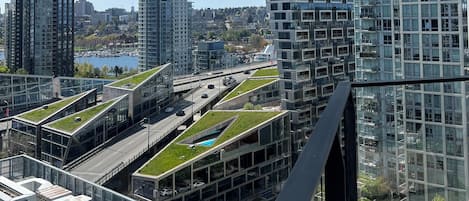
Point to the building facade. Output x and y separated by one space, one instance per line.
26 130
414 136
209 56
83 7
39 37
72 136
164 35
225 161
315 48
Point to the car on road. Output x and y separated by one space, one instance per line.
198 184
180 113
204 96
167 192
247 72
211 86
169 109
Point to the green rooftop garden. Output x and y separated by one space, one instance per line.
266 72
247 86
176 154
133 81
69 124
41 113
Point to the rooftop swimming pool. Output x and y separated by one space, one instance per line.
207 143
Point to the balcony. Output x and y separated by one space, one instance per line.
328 163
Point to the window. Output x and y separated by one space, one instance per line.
325 15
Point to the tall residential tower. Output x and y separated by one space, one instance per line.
39 36
414 136
164 35
314 41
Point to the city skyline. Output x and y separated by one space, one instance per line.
102 5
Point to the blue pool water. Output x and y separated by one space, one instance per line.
207 143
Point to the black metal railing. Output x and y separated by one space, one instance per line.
325 158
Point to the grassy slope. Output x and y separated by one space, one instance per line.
266 72
136 79
176 154
246 86
69 124
39 114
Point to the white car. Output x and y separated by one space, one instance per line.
167 192
169 109
198 184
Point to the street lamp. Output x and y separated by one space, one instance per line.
147 120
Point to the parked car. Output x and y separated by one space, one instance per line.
167 192
180 113
169 109
211 86
204 96
198 184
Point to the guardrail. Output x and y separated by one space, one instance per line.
237 71
324 152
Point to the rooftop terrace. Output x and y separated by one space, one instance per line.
266 72
70 124
247 86
177 153
133 81
40 114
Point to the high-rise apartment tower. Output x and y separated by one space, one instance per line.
164 35
39 36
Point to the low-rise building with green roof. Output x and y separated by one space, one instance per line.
68 138
148 91
234 154
266 72
25 132
258 91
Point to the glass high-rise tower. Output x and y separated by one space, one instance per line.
414 136
39 36
164 35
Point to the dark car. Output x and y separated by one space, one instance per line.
247 72
211 86
204 96
180 113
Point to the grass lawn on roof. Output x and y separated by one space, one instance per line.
176 154
40 114
69 124
135 80
246 86
266 72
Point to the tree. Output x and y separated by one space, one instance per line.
84 70
248 106
104 71
257 41
118 71
4 69
374 188
438 197
22 71
258 107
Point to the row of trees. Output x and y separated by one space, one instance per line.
87 70
21 71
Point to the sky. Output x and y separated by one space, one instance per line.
101 5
